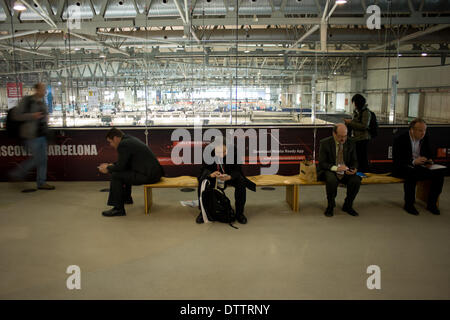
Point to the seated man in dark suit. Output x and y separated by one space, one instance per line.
338 164
136 165
412 159
227 174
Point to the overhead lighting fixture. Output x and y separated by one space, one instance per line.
424 54
102 55
19 6
247 51
399 55
341 1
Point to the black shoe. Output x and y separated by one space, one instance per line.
411 210
434 210
329 211
129 201
350 211
241 219
114 212
199 218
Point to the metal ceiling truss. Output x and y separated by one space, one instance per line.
195 40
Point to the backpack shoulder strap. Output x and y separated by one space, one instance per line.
202 207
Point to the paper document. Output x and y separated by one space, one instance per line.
191 203
436 166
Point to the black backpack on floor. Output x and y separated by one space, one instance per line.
215 204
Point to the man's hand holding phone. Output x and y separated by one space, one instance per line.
224 177
215 174
420 161
103 168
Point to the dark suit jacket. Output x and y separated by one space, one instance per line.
136 156
402 153
233 169
327 156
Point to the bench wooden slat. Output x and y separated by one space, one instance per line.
175 182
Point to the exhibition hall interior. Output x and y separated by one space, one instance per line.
278 76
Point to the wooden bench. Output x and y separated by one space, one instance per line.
292 184
422 190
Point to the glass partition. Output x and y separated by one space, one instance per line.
219 63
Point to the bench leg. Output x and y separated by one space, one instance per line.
292 197
422 191
148 199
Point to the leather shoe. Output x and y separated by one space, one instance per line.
46 186
350 211
241 219
434 210
114 212
411 210
329 212
129 201
199 219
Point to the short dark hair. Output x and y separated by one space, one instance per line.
114 132
416 120
359 101
38 85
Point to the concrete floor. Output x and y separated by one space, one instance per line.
166 255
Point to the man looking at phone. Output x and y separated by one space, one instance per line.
412 161
338 164
136 165
227 174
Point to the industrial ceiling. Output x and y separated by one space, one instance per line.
193 43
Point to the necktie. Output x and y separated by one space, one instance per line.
340 159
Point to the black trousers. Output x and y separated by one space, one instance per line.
361 155
240 193
120 186
418 173
353 183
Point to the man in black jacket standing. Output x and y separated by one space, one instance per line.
338 164
136 165
227 174
412 161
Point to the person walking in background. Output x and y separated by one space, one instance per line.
33 113
359 126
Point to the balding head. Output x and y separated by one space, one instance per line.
340 132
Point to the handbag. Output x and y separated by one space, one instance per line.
308 171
